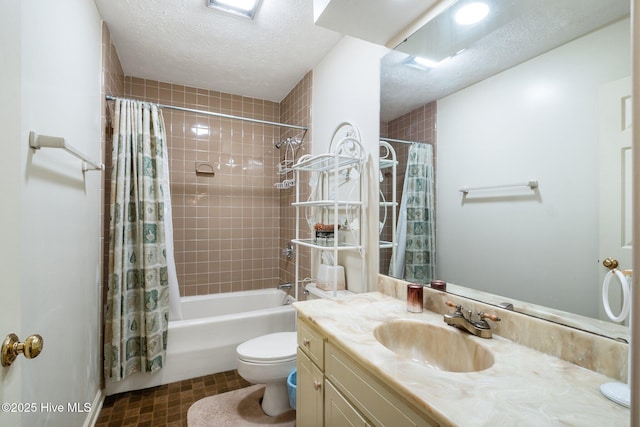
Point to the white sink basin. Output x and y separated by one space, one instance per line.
440 347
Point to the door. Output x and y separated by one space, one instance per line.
615 183
10 294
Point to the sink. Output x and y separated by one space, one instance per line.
440 347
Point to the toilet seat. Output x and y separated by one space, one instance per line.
271 348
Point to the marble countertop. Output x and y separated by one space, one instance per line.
524 387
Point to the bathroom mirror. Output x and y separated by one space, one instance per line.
520 97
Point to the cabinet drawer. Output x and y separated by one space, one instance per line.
379 405
311 342
338 411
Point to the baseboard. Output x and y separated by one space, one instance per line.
96 406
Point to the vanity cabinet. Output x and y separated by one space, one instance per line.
373 400
338 411
336 390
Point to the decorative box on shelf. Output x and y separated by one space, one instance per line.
324 234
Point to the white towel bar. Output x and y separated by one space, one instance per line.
531 184
43 141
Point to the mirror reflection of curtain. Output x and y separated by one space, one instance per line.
415 256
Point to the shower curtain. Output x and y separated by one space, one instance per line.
415 254
141 265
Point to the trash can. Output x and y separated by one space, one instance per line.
291 386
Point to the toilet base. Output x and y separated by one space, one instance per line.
276 399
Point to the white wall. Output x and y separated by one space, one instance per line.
57 240
536 121
346 87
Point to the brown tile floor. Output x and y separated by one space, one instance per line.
164 405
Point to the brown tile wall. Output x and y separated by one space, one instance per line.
226 226
418 125
229 228
295 109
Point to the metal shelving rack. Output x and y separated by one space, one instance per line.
338 198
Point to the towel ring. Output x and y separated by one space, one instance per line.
626 300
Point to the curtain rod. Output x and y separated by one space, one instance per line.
403 141
211 113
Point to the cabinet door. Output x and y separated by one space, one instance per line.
338 412
309 392
311 342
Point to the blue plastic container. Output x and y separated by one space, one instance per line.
291 387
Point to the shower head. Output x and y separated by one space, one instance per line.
279 144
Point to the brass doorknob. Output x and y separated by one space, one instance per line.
610 263
12 347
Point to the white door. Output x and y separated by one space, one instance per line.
10 294
10 213
615 183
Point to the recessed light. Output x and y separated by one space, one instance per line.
425 63
471 13
243 8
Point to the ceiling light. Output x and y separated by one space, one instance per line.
243 8
471 13
425 63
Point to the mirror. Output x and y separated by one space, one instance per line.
520 97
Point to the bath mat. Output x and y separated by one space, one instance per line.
238 408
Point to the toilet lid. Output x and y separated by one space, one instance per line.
277 347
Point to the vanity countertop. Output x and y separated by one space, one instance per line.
524 387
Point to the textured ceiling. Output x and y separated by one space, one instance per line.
184 42
519 30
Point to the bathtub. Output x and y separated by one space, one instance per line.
204 342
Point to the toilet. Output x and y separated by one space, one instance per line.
268 360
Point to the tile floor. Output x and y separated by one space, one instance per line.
164 405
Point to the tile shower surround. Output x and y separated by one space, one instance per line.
210 257
229 229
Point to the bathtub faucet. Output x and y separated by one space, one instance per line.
287 287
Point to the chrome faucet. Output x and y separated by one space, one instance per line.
285 286
479 327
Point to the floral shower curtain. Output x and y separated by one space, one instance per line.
137 310
415 257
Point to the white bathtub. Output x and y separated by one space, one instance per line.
204 342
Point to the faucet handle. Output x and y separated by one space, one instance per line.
458 307
484 315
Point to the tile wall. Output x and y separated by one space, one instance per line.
229 227
295 109
226 224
